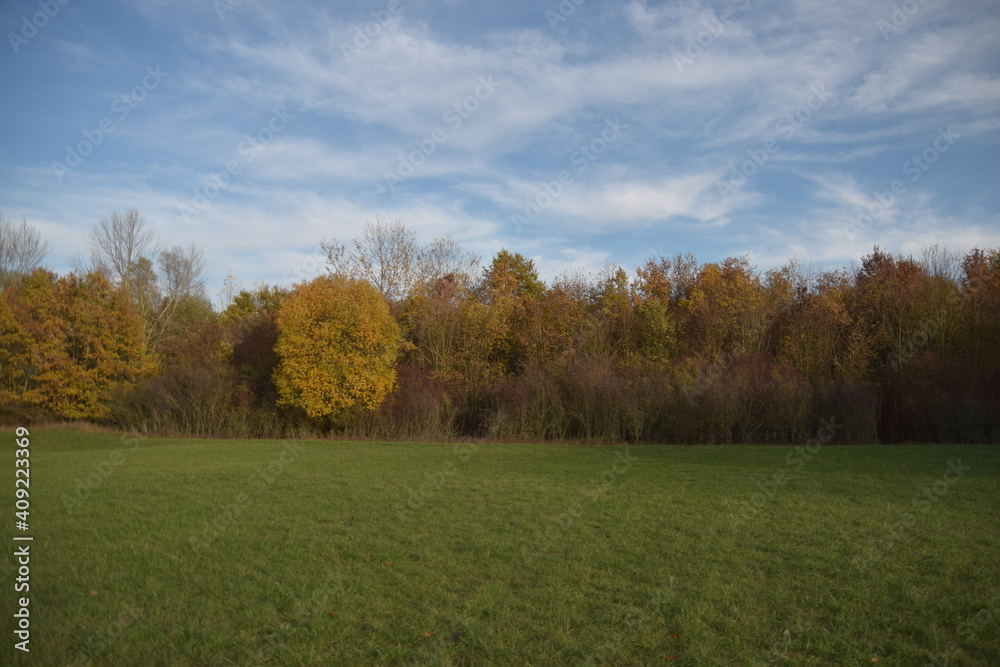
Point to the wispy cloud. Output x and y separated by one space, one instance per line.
698 85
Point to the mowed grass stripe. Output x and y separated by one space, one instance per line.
507 554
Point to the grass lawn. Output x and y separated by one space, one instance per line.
213 552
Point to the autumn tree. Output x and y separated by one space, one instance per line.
980 309
385 255
612 309
506 287
668 279
230 288
656 292
463 344
445 258
161 282
17 364
552 327
177 286
510 275
937 261
727 311
815 332
888 305
76 342
337 347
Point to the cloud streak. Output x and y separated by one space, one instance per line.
363 105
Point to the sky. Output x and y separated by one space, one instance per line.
576 133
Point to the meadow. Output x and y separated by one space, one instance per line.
223 552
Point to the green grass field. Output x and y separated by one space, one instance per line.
209 552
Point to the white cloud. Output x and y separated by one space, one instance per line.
686 127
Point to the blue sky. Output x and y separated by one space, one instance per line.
572 133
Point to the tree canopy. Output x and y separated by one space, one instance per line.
337 347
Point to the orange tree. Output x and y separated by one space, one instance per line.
69 344
337 347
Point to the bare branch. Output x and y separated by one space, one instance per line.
940 262
387 256
21 249
119 241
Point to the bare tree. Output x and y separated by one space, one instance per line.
182 271
445 257
21 249
230 288
940 262
159 294
158 281
387 256
384 255
119 241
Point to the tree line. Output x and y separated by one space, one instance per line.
403 340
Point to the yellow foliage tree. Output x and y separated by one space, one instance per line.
69 344
337 347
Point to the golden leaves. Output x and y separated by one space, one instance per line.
76 342
337 347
